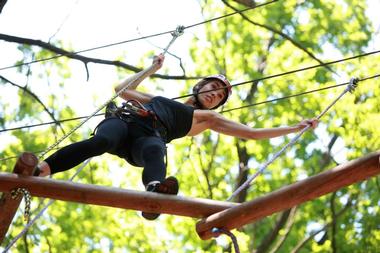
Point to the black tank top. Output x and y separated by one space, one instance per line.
177 118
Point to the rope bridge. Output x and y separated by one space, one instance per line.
215 214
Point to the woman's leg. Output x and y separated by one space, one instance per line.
110 134
150 153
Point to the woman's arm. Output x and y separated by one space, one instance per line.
204 119
130 84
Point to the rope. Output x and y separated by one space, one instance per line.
178 32
17 192
224 111
31 222
231 235
47 123
292 71
14 157
136 39
233 13
298 94
350 88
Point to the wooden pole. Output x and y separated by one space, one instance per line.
291 195
113 197
8 206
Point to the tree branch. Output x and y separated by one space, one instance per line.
271 236
248 3
205 173
333 222
2 4
209 194
285 36
377 183
36 98
26 244
243 168
288 227
242 152
328 224
74 55
169 53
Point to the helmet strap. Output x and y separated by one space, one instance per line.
199 105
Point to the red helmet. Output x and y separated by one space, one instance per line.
224 80
226 83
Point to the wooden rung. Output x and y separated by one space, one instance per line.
112 196
291 195
8 206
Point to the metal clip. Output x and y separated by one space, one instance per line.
137 109
353 84
178 31
111 109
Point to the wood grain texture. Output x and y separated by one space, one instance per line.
291 195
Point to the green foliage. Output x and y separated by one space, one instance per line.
209 165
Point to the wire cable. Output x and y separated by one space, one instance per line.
136 39
352 84
223 111
47 123
175 34
292 71
297 95
34 152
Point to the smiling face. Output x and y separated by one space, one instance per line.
211 94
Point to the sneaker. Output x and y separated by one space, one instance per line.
37 171
168 186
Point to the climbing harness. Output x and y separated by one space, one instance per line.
230 234
134 111
130 107
128 112
175 34
350 88
15 193
133 108
178 32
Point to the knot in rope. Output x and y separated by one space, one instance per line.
231 235
15 193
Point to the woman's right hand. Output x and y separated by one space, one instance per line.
158 61
313 123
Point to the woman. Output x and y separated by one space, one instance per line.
139 133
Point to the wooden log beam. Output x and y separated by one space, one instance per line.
8 206
291 195
112 196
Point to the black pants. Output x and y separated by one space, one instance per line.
137 144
